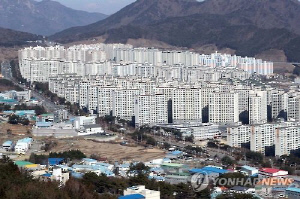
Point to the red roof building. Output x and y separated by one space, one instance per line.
271 172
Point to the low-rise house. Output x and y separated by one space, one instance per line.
123 169
8 145
271 172
27 165
141 189
46 129
174 167
157 178
47 117
43 124
90 130
250 171
58 175
29 114
81 121
174 155
23 145
293 192
106 165
89 161
157 162
98 169
242 190
132 196
55 161
177 178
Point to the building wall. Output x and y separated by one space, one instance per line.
223 107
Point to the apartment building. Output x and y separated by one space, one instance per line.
223 107
186 105
123 103
238 135
39 63
258 113
293 109
286 140
150 110
278 138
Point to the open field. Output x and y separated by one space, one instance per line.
108 150
15 129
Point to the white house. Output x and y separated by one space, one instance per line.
90 130
140 189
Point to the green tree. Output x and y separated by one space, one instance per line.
227 161
255 156
190 139
72 155
140 168
166 145
151 141
13 119
38 159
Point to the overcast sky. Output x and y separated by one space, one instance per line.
102 6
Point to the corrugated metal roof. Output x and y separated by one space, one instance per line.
55 161
199 171
249 168
43 124
293 189
7 143
77 175
22 112
47 175
89 160
31 166
172 165
25 140
215 170
176 152
270 170
22 163
132 196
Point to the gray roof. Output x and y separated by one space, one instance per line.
239 188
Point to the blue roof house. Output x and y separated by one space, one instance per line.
132 196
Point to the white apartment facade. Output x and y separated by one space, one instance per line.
258 107
223 107
150 110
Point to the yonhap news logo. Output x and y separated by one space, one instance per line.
199 181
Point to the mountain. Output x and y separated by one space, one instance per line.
11 38
44 17
248 27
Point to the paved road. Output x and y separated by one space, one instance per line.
48 104
6 70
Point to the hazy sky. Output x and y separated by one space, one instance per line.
102 6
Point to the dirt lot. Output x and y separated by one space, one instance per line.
15 129
18 132
110 151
